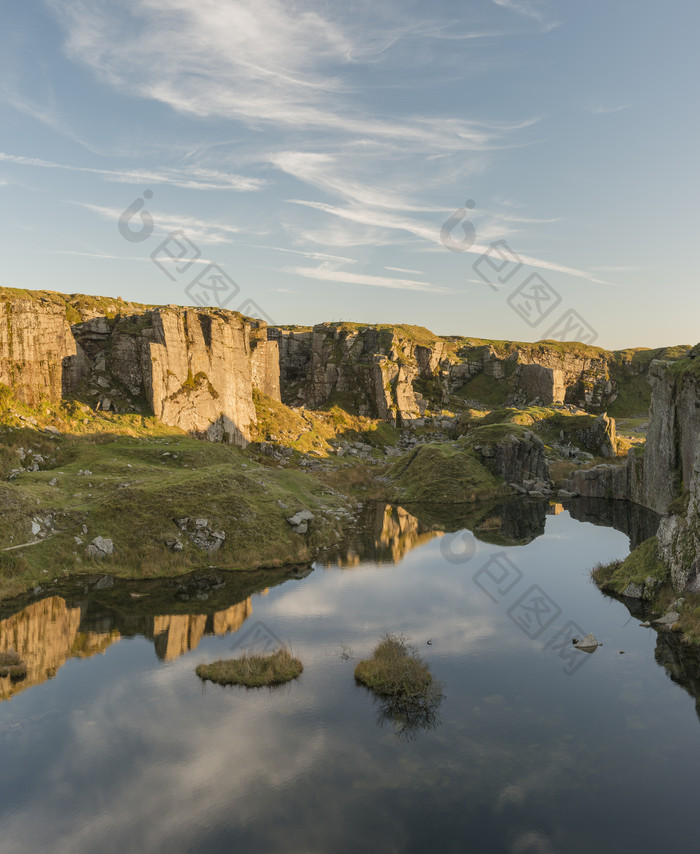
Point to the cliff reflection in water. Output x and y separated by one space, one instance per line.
386 533
81 623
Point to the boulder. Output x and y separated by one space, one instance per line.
100 547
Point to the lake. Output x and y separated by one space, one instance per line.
112 744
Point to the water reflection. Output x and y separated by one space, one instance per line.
124 753
84 621
639 523
681 661
409 716
385 533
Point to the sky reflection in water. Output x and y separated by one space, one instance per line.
128 751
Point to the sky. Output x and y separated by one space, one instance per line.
512 169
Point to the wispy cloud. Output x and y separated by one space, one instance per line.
194 178
618 268
431 233
328 273
316 256
262 62
534 9
601 110
197 230
405 270
105 256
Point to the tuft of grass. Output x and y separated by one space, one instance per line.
395 670
253 671
12 665
403 685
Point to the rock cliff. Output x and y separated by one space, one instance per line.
396 372
195 368
192 368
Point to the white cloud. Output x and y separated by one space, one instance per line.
317 256
327 273
196 230
534 9
262 62
193 178
600 110
431 233
405 270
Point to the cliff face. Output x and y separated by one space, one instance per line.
38 353
667 477
192 368
195 368
394 372
370 369
672 467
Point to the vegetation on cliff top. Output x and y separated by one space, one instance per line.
78 307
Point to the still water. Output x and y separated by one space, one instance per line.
112 744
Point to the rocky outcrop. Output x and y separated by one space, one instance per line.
369 369
39 357
603 481
518 458
197 372
192 368
674 428
395 372
668 478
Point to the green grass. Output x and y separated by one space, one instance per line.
633 398
635 568
486 389
133 495
253 671
441 473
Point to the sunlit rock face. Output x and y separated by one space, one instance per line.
39 356
394 372
47 633
192 368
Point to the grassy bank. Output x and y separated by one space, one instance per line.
135 490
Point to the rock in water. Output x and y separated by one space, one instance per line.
587 644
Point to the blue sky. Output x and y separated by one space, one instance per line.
312 151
